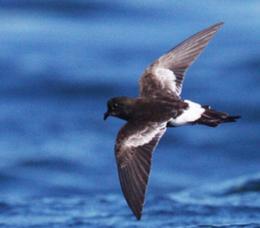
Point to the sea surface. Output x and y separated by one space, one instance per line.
61 60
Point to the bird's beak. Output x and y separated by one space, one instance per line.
106 114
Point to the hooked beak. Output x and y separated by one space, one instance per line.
106 114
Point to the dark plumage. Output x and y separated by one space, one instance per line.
159 106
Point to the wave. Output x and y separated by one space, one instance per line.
239 194
55 5
60 89
242 185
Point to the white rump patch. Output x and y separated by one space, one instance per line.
144 136
167 78
191 114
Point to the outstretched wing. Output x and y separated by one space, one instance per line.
134 146
165 76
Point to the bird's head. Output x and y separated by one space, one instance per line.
120 107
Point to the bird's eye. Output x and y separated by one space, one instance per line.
115 105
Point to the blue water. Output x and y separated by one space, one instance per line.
61 60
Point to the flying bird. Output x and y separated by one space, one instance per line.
158 107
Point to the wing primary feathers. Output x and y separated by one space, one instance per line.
134 162
177 61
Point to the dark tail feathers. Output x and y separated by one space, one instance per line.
213 118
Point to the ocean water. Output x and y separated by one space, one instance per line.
61 60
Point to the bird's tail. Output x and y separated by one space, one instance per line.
213 118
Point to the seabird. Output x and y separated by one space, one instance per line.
158 107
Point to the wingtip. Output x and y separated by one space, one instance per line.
138 213
138 216
219 24
215 27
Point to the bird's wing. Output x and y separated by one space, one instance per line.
165 76
134 146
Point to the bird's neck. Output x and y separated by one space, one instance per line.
128 111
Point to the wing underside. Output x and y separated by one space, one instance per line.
134 147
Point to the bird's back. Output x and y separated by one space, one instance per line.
157 109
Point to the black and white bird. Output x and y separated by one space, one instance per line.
158 107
